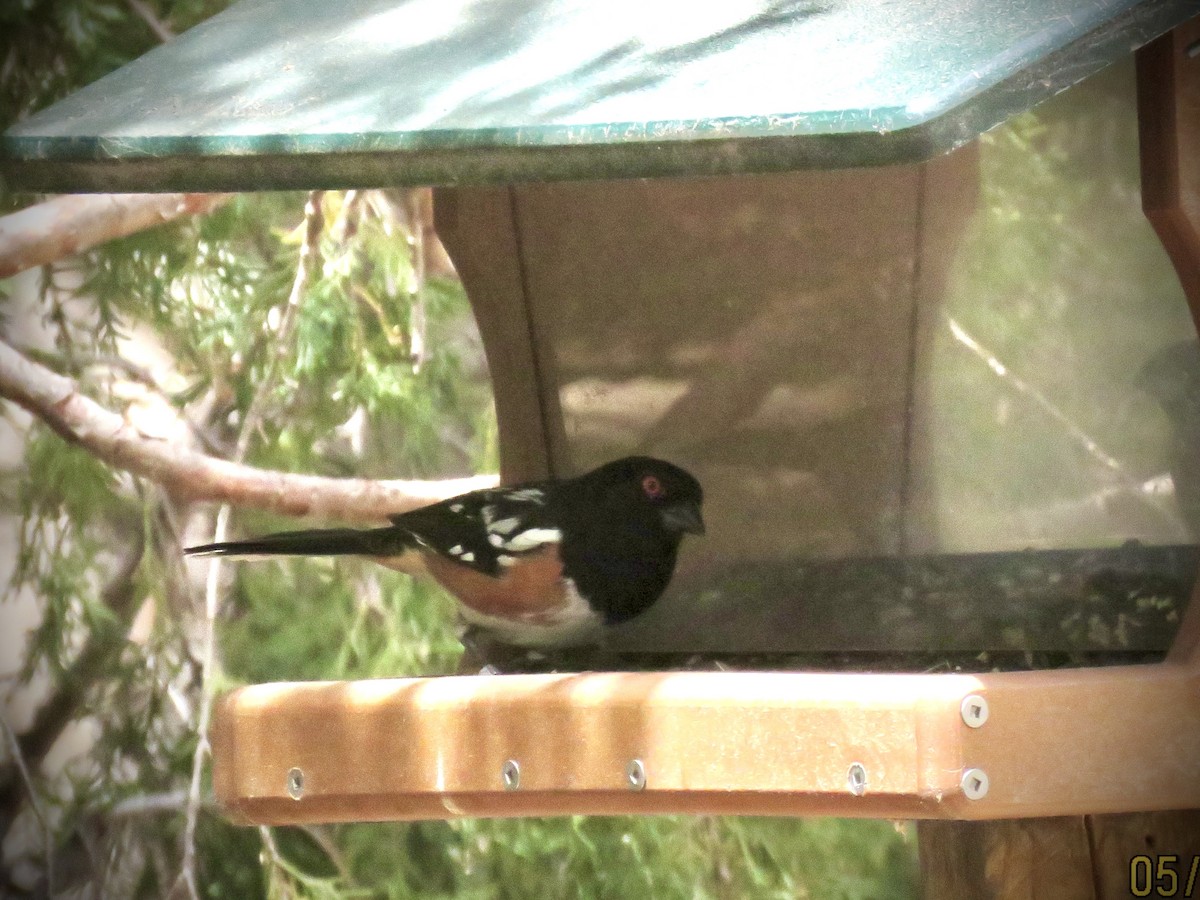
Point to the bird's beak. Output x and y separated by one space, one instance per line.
684 517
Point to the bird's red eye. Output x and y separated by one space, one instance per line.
652 487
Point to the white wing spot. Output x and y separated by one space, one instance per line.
533 537
468 557
456 550
456 507
504 526
529 495
505 560
495 540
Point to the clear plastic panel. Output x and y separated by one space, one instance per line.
944 407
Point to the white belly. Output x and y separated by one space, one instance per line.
572 623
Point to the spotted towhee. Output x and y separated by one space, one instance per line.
1172 377
539 564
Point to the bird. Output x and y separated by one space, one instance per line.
1172 377
541 564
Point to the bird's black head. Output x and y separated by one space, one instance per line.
622 530
646 483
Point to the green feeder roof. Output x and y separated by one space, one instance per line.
295 94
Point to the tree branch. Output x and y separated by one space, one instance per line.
72 223
119 596
191 476
149 805
99 649
131 370
416 282
310 261
18 758
314 221
160 28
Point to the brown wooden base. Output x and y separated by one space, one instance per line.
1065 858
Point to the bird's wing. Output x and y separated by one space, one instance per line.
486 530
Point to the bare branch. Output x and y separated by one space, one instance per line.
345 226
322 838
187 870
274 859
95 655
14 748
1026 389
159 27
416 281
150 804
191 476
119 597
115 363
310 260
70 224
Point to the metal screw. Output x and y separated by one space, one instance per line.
635 774
295 784
974 710
856 779
975 784
510 774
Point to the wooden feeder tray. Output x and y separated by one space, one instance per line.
983 746
221 108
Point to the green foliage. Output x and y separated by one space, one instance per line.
66 491
52 47
618 857
309 620
49 48
212 293
69 481
1061 279
343 397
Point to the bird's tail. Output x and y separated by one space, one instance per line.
387 541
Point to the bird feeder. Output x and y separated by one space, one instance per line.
734 238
